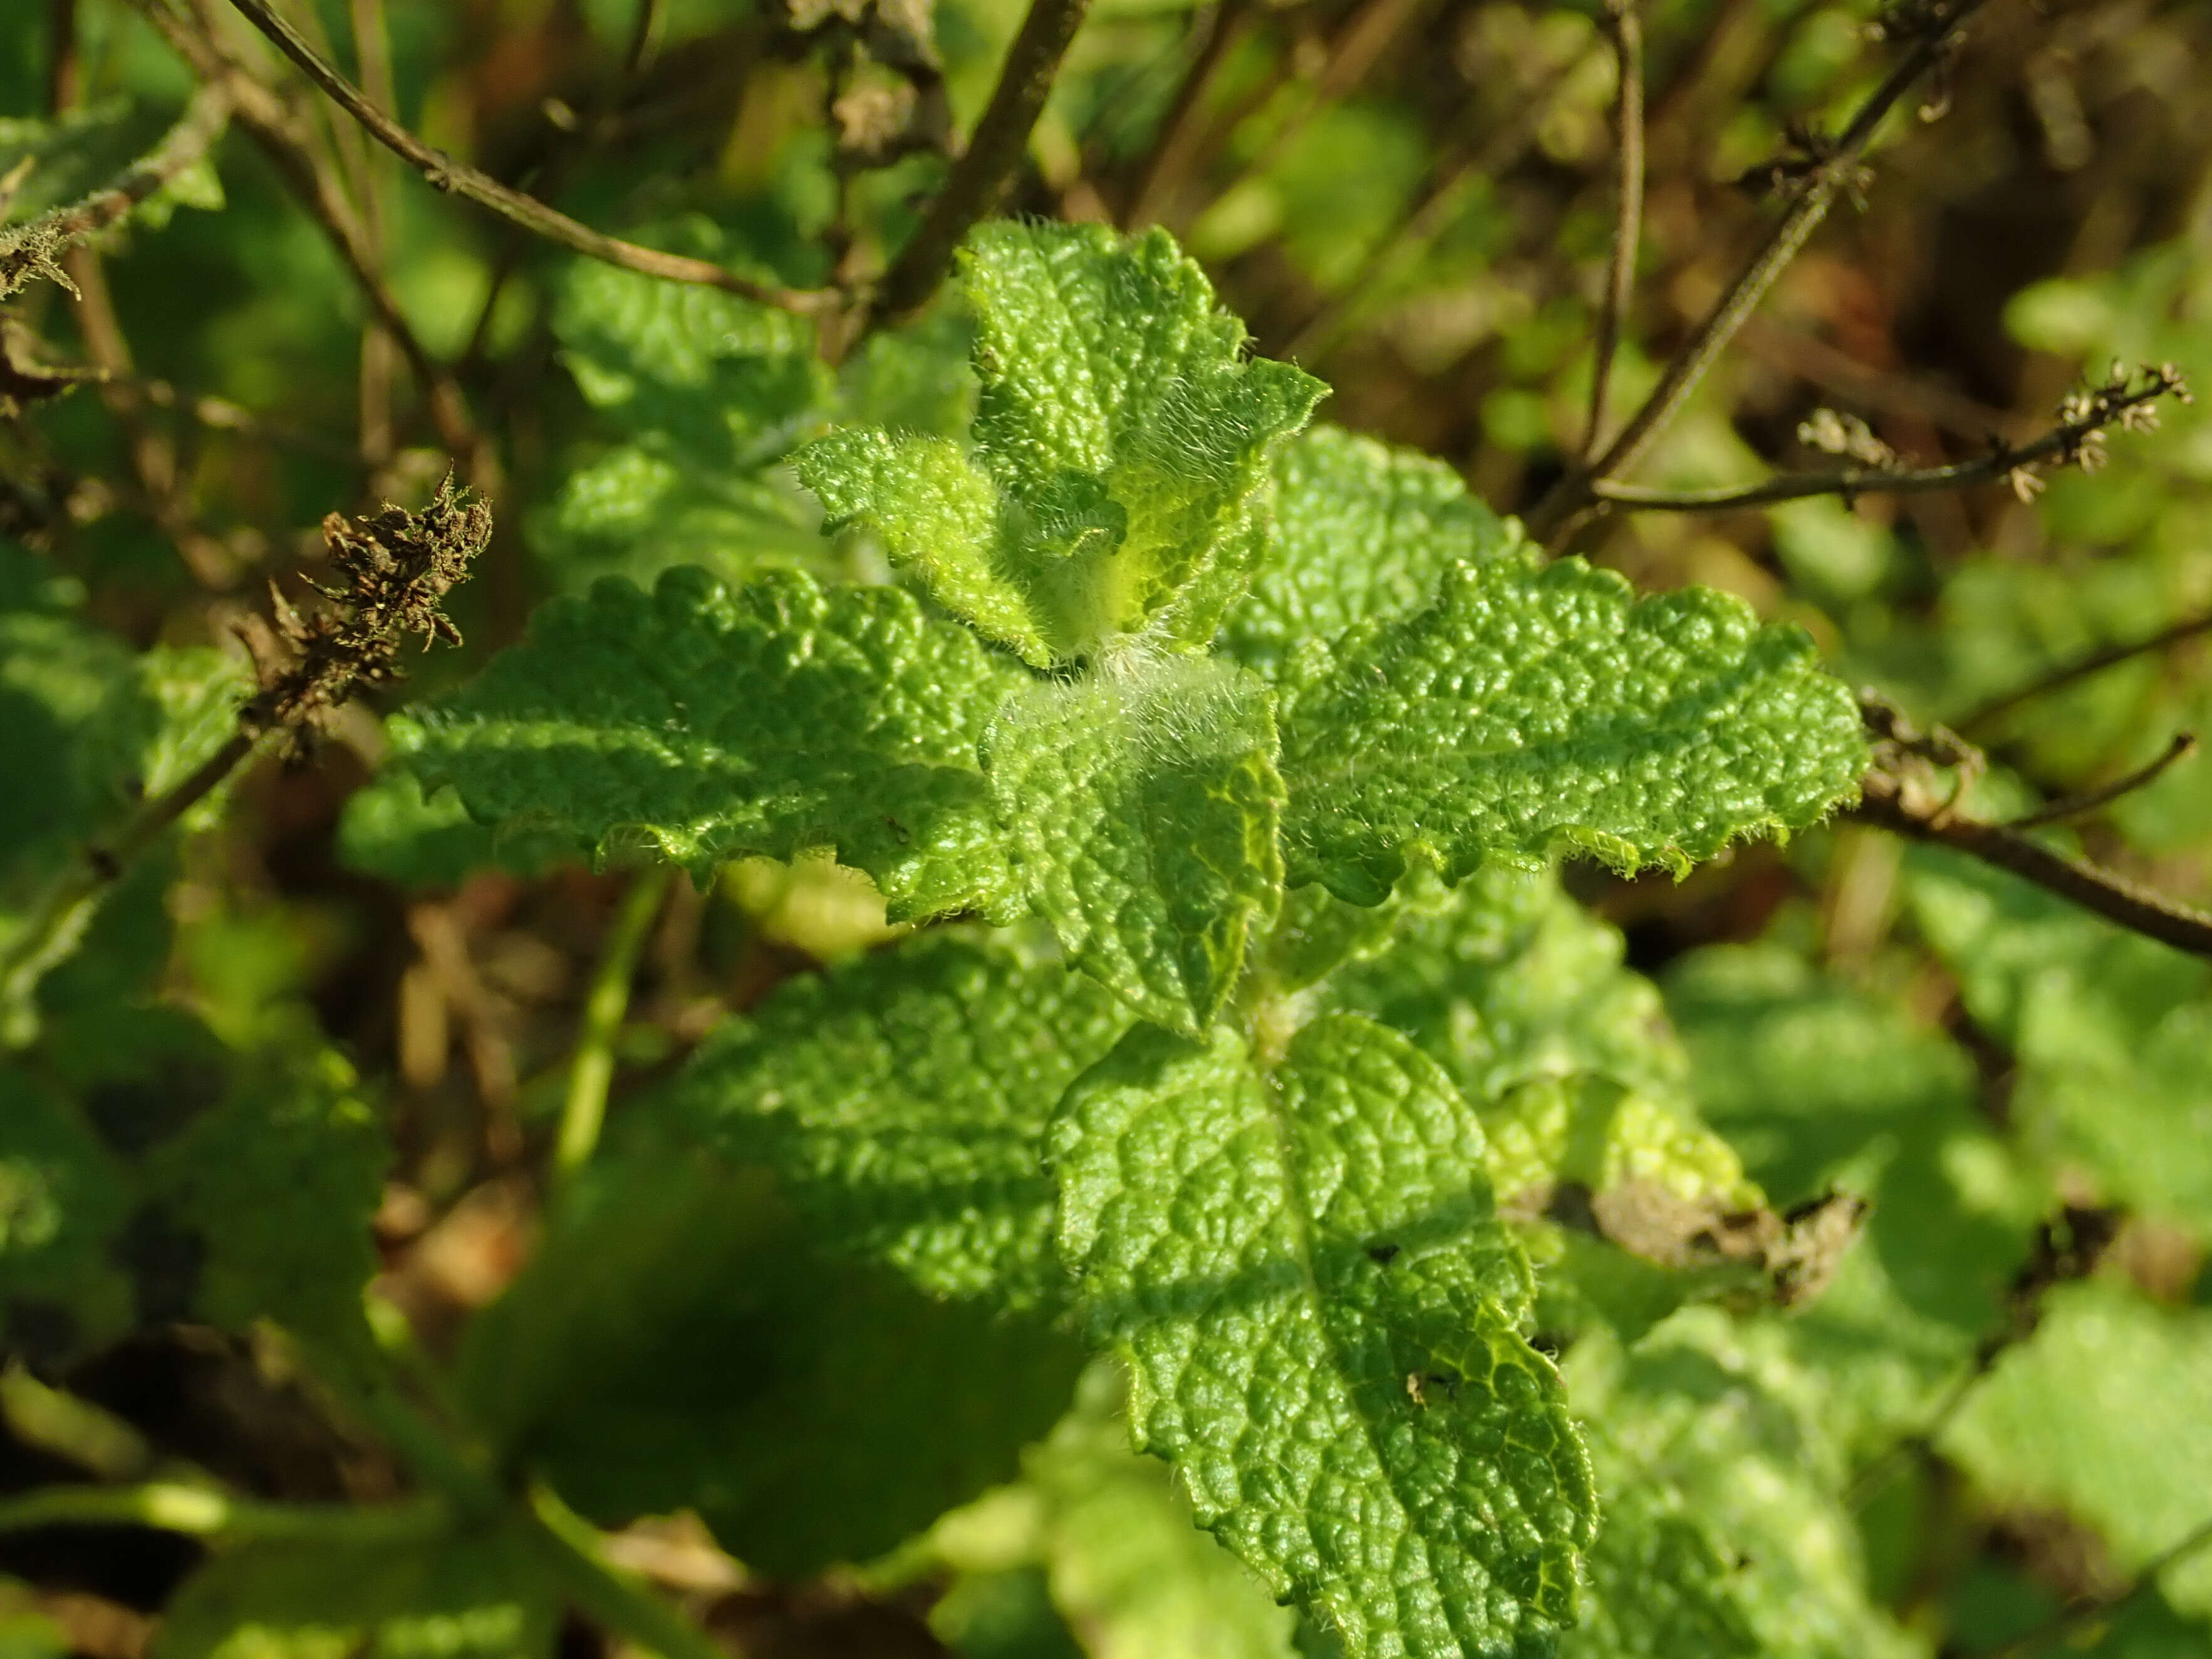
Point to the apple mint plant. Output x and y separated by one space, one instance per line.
1203 689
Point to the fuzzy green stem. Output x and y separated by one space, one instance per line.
198 1512
570 1550
59 915
593 1068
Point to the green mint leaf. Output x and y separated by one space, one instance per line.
1362 531
278 1183
64 1200
1505 980
1713 1421
1661 1587
461 1595
2105 1414
713 723
1142 814
1120 434
1535 707
702 394
389 829
1103 1538
639 508
937 514
1319 1308
678 1342
2109 1030
903 1102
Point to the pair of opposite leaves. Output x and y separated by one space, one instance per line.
1228 657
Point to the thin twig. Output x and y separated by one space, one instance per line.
604 1004
152 456
2005 463
1493 157
400 567
1575 493
972 188
533 215
372 45
1627 31
273 126
2066 1621
65 67
1884 801
1176 141
2075 806
30 249
644 37
2080 668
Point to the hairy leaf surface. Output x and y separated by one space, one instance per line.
1142 815
1118 435
1361 530
1319 1308
715 723
903 1102
1534 708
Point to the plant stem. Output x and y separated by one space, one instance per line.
2080 668
1851 482
198 1512
972 188
570 1549
593 1068
528 211
1165 162
59 916
1576 493
2074 806
1628 212
29 250
2105 891
276 130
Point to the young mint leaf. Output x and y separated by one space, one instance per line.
1362 531
1534 708
2107 1414
903 1102
456 1596
715 723
1319 1309
1142 812
1118 435
679 1342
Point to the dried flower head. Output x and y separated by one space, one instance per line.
398 567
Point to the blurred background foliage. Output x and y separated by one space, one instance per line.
1952 1451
